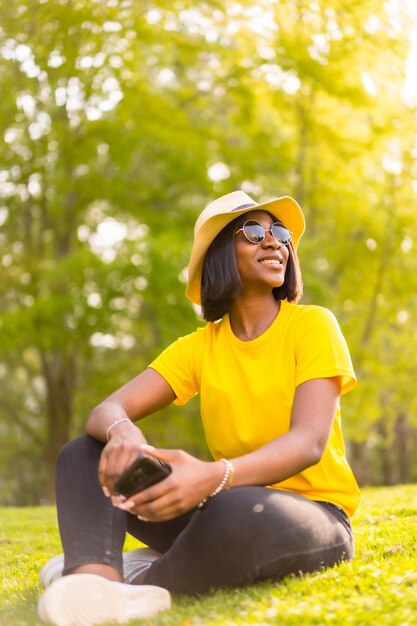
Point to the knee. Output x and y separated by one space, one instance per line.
77 449
226 534
239 517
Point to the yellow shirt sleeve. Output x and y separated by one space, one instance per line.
321 350
180 365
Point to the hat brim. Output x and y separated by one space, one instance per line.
285 209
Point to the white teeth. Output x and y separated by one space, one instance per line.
272 261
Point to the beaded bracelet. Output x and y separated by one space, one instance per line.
123 419
225 482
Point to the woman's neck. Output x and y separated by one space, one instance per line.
250 317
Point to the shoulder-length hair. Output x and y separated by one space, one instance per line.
221 280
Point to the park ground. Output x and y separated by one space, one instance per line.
379 587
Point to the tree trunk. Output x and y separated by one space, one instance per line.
386 454
359 460
59 370
403 444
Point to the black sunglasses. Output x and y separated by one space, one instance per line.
256 233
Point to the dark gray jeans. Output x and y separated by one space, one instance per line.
241 536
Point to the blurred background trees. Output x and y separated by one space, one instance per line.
119 121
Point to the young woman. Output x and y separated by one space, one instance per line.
277 498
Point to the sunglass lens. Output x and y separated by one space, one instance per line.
253 232
281 233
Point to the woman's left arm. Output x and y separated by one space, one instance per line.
312 415
314 408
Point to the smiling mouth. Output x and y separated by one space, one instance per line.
276 262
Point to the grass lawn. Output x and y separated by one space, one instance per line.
378 588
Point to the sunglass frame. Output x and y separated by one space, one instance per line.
284 242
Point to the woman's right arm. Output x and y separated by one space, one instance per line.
145 394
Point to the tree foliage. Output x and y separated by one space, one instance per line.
119 120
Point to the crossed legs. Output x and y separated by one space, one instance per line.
241 536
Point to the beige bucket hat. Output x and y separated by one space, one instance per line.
222 211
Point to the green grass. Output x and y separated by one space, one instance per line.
378 588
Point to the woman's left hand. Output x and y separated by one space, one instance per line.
190 482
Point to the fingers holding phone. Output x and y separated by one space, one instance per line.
117 455
144 472
179 491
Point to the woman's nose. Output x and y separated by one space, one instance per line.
270 241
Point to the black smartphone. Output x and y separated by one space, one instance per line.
142 473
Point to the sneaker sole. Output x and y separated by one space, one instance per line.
52 570
88 599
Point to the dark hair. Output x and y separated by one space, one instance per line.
220 279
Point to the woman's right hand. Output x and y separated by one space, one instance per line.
122 449
143 395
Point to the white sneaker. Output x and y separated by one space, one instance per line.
52 570
135 562
88 599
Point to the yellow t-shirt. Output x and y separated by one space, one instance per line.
247 390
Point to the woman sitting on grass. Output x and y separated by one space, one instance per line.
276 499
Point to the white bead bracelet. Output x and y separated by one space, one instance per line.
225 482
